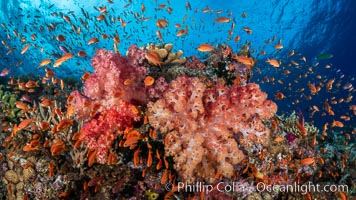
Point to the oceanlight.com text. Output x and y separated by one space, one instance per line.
302 188
260 187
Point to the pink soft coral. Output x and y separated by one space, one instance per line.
200 125
156 91
137 55
114 79
107 104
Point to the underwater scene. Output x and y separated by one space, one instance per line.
174 100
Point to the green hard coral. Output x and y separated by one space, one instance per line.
8 109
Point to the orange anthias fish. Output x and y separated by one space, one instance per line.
300 124
82 53
248 30
31 84
205 48
272 62
336 123
244 60
182 32
329 85
222 20
100 17
61 38
62 59
45 62
25 49
45 102
162 23
279 96
149 80
93 40
313 89
21 105
307 161
49 73
153 58
117 39
278 46
159 35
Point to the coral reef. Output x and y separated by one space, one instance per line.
9 111
290 126
194 62
200 124
99 132
153 118
155 54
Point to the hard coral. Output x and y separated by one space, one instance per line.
200 124
165 55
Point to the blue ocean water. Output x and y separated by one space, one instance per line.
310 28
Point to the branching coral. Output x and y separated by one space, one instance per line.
200 124
165 54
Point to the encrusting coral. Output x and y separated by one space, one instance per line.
200 125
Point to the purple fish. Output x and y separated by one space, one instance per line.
8 52
347 86
4 72
26 98
63 49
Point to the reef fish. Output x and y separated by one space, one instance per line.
62 59
205 48
324 56
4 72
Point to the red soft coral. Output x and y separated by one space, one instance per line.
99 132
107 103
